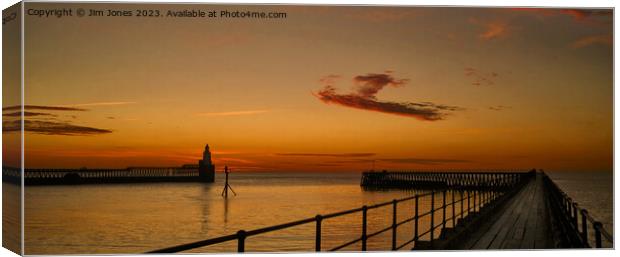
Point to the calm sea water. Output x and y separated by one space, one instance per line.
593 191
134 218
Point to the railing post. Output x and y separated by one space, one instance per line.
584 226
364 223
432 215
241 241
575 218
462 202
468 208
415 228
317 243
474 199
394 208
480 199
486 196
597 234
443 226
453 211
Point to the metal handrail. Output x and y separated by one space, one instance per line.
241 235
571 213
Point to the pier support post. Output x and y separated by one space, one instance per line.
432 216
584 226
443 226
474 199
569 206
575 217
364 224
468 207
394 209
462 203
317 244
416 216
241 241
453 211
597 234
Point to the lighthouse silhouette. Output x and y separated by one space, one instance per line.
206 169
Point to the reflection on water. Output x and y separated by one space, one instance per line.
11 218
134 218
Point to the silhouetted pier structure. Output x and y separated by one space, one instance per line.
204 171
100 176
435 180
506 210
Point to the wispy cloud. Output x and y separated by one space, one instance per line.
118 153
46 123
491 29
480 77
27 114
604 39
327 154
423 161
52 128
578 15
379 14
235 113
411 160
494 30
364 97
329 79
499 108
584 14
99 104
42 107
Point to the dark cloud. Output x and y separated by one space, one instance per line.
27 114
604 39
480 77
325 164
329 79
579 15
51 128
422 161
364 97
41 107
499 108
370 84
582 14
348 161
328 154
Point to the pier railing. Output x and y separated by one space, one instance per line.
476 180
468 201
575 221
76 176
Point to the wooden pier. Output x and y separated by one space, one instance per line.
436 180
500 210
521 221
102 176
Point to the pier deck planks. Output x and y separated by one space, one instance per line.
522 223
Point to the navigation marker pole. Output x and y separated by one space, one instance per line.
227 186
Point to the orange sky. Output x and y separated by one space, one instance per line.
326 89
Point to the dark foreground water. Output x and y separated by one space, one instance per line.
134 218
